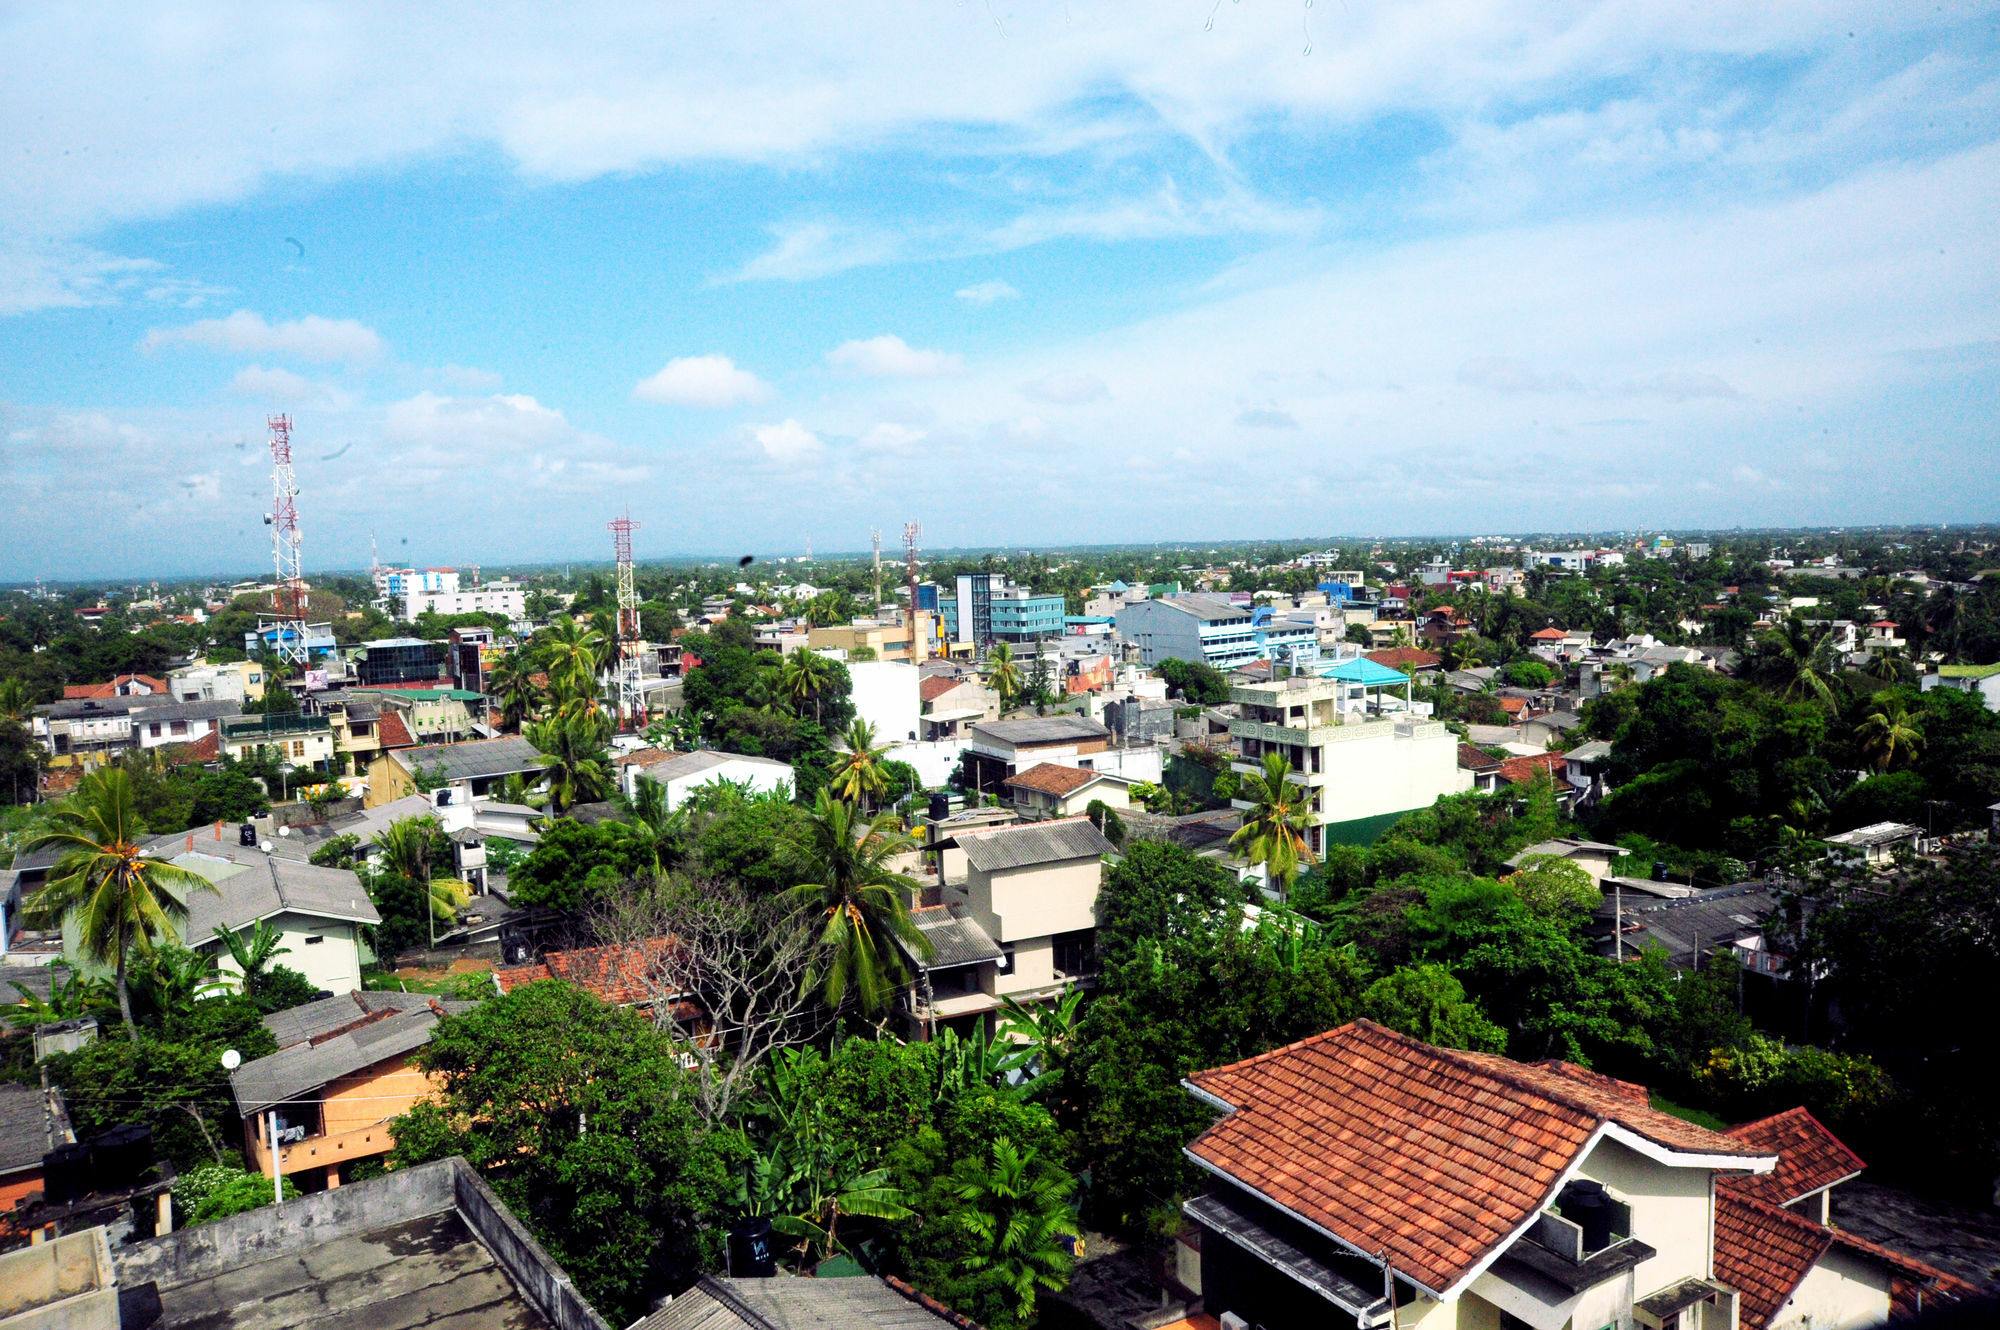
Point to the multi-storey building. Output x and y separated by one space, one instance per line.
1210 630
990 608
1362 767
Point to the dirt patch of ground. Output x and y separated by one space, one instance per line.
469 965
1959 1241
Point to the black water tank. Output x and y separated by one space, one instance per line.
940 806
1585 1205
120 1157
751 1255
66 1174
1659 870
247 834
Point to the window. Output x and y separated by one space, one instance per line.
315 939
256 678
298 748
179 727
154 729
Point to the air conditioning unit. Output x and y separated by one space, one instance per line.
1231 1321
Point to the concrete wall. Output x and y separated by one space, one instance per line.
936 762
1020 903
1843 1290
885 695
1670 1211
333 963
759 776
67 1284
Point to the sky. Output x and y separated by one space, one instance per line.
1028 274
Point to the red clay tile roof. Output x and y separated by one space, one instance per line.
1051 778
645 757
1763 1252
74 691
624 975
1435 1156
1809 1157
1548 635
1471 757
936 686
1513 706
1515 770
392 732
1912 1284
208 748
1405 658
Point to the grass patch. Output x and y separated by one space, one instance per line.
1697 1116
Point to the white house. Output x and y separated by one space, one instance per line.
1982 681
886 696
684 773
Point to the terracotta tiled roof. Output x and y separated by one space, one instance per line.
1435 1156
208 748
392 732
1405 658
1471 757
1515 770
1912 1284
936 686
1809 1157
624 975
1763 1252
1513 706
1050 778
74 691
1548 635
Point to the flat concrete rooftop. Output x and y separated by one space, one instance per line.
430 1271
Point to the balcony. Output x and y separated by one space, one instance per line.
320 1151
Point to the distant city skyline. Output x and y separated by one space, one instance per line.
1066 275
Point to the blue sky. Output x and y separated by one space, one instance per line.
1066 273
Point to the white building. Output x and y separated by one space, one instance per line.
886 696
437 591
1213 631
1361 769
684 773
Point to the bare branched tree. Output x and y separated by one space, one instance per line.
742 958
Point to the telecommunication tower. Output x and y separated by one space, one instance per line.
288 594
918 652
875 539
631 694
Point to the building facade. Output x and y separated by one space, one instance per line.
1213 631
988 608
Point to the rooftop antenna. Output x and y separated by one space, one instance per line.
918 646
288 593
631 696
875 539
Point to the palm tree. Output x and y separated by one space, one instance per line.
121 901
1048 1030
573 653
13 699
1888 665
1274 830
806 676
660 829
1797 661
254 950
1890 733
173 979
1017 1211
857 773
410 849
863 902
512 684
575 768
79 995
1003 673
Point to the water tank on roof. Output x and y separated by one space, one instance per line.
940 808
66 1174
247 834
121 1157
751 1254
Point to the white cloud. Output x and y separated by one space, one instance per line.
467 379
891 437
284 388
312 338
1682 386
432 438
985 293
890 357
1266 418
705 381
1502 374
1066 388
787 441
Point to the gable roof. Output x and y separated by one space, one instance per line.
1437 1157
1029 844
316 1020
1763 1252
1041 730
291 1073
863 1302
1516 770
28 1117
1471 757
955 937
252 885
475 758
392 732
1404 658
680 766
933 686
1053 778
1809 1157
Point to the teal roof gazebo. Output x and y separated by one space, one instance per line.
1366 674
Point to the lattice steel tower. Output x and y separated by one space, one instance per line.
288 595
631 693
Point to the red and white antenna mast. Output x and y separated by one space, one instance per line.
288 595
631 693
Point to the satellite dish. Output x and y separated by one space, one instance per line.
231 1059
284 831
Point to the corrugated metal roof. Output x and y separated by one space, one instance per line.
475 759
293 1073
1041 730
789 1302
297 1025
955 938
1033 843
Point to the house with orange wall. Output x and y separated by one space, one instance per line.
343 1071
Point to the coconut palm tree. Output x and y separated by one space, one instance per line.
1003 673
1274 829
661 830
1890 734
412 848
1017 1211
1889 665
573 654
1796 661
575 768
512 684
857 773
805 678
253 950
122 903
862 902
13 699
